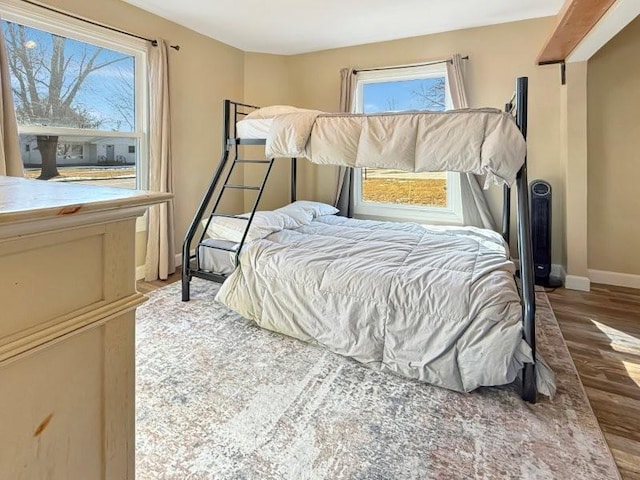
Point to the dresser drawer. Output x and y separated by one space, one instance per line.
48 278
68 407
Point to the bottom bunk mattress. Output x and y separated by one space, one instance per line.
211 259
437 304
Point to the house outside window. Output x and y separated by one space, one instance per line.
80 93
427 197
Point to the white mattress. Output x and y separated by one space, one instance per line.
253 128
214 260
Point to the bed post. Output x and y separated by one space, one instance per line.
186 246
526 251
506 196
294 179
506 213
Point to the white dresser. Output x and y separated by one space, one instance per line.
67 322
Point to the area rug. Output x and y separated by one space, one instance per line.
219 398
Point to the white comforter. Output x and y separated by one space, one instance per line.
438 304
483 141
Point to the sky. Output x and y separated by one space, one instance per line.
107 93
396 96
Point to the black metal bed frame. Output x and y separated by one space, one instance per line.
233 111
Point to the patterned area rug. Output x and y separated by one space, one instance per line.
219 398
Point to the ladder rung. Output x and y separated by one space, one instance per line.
253 161
216 277
246 141
228 215
241 187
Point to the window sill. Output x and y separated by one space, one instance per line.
439 219
390 212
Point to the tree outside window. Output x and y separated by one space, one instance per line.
70 97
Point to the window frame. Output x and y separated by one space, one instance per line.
32 16
452 213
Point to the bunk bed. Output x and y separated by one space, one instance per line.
285 278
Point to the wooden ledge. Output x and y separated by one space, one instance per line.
575 21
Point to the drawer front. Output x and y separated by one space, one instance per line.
68 407
48 279
51 412
40 284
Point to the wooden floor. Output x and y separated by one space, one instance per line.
602 330
147 287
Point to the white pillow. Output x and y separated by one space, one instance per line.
296 213
273 110
317 209
263 224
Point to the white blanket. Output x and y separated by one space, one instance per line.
438 304
484 142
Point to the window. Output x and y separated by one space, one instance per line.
393 194
80 98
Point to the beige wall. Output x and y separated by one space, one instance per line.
574 160
614 154
202 74
267 81
498 54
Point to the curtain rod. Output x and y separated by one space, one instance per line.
405 66
97 24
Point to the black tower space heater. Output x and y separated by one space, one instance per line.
541 231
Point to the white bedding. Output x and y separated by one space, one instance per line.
227 232
214 260
254 127
480 141
438 304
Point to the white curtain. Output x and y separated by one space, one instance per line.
10 161
160 261
475 209
344 187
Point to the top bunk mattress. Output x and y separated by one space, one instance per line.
483 141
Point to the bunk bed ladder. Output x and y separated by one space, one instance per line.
191 262
227 246
235 247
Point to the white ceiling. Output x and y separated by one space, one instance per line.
298 26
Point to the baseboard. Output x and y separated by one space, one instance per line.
614 278
140 269
574 282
